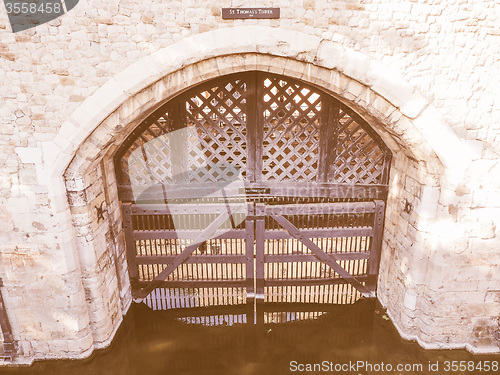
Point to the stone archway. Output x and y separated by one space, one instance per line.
274 144
403 119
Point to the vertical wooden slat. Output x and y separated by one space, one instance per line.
259 262
179 149
249 252
257 111
251 125
328 137
376 243
128 232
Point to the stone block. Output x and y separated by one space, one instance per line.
492 296
18 205
329 55
485 197
139 75
391 86
354 90
28 175
40 348
58 348
410 300
98 106
81 345
475 148
29 155
427 207
451 153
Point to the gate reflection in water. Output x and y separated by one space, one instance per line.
184 303
160 342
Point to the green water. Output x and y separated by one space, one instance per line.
157 343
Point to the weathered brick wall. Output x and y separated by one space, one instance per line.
440 264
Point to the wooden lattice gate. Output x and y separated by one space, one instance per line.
252 186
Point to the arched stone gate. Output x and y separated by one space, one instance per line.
307 173
90 138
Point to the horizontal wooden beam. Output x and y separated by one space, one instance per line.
186 234
193 259
313 258
317 208
321 233
188 208
236 259
271 234
252 189
275 209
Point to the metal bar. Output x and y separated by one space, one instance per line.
321 254
207 233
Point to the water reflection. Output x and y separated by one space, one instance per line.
165 342
215 320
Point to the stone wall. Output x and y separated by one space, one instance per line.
421 72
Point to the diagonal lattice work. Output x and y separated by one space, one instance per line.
219 115
262 126
291 115
147 160
358 157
